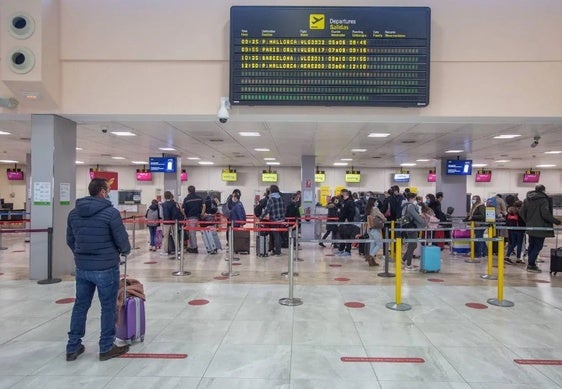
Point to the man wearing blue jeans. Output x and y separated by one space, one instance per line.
97 237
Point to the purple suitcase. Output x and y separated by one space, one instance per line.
131 323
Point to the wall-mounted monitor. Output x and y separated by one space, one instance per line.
352 177
269 177
401 177
14 175
229 175
483 177
459 167
432 177
183 175
129 197
531 177
162 164
144 176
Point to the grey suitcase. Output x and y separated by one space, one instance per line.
211 241
262 245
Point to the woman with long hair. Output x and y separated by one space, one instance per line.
478 215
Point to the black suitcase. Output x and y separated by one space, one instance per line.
555 260
241 242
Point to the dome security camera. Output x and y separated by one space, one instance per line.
223 114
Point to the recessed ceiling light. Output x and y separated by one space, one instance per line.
358 150
205 163
378 135
139 163
347 159
546 165
123 133
408 164
423 160
79 149
8 161
479 164
454 151
261 149
502 161
340 163
273 163
4 133
166 148
194 158
249 133
79 162
269 159
553 152
117 157
506 136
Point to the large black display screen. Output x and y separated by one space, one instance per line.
353 56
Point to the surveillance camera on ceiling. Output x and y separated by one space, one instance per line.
223 113
535 141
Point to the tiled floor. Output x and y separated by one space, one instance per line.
243 338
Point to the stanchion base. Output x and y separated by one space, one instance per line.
398 307
49 281
489 277
3 248
501 303
472 260
386 275
292 302
181 273
286 273
228 274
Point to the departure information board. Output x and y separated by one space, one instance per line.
352 56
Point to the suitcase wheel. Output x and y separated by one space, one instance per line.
553 273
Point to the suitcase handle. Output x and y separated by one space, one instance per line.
124 263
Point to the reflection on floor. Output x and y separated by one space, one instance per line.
243 337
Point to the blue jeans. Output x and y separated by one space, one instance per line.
535 246
152 231
107 283
376 245
515 242
480 248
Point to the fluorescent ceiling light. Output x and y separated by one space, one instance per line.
358 150
79 149
479 164
261 149
454 151
205 163
506 136
166 148
378 135
273 163
139 163
347 159
117 157
546 165
408 164
340 163
4 133
502 160
269 159
423 160
249 133
7 161
194 158
123 133
553 152
79 162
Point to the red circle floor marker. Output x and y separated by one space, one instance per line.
382 359
67 300
221 278
354 304
198 302
435 280
335 265
476 305
1 274
542 281
150 262
341 279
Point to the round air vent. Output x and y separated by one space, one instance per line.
21 60
22 25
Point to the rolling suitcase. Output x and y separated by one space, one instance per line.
555 259
131 321
211 241
460 246
158 238
241 242
430 259
262 245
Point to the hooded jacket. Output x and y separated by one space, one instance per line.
96 234
537 212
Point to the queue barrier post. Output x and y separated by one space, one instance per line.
135 247
392 236
49 279
489 275
499 301
291 301
386 273
471 259
230 258
398 305
1 247
179 250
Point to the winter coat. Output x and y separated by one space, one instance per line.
275 207
153 215
96 234
536 211
238 214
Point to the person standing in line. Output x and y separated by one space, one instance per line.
170 213
226 208
194 210
237 213
375 221
513 219
347 214
410 209
275 209
333 216
153 217
97 237
536 211
478 215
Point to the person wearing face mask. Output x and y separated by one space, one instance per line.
478 214
333 217
410 209
97 237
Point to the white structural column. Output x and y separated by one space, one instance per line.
453 188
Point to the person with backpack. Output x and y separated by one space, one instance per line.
226 209
478 214
375 223
153 217
410 219
347 214
333 216
513 219
171 211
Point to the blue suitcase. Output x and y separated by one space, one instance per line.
430 259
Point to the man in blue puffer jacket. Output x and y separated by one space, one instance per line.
97 237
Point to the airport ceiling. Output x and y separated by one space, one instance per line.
329 138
